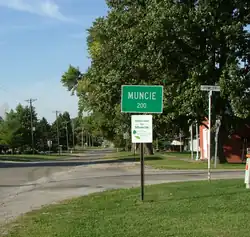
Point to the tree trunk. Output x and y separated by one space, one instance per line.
149 148
222 137
137 147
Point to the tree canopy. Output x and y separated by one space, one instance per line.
15 131
178 44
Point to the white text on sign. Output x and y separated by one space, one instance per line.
142 95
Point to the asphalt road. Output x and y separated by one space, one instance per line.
24 187
17 174
13 174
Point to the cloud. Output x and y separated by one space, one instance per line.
46 8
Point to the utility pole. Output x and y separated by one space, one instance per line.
67 135
30 101
73 133
57 128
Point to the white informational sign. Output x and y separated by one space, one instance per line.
142 128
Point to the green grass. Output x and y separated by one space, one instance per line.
181 155
31 157
188 209
171 160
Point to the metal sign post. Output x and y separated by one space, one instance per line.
142 170
210 89
142 99
192 142
142 132
209 135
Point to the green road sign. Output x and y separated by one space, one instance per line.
142 99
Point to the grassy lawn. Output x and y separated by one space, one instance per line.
171 160
31 157
181 155
188 209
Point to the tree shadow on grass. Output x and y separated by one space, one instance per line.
137 159
196 197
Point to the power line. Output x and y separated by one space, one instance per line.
57 128
30 101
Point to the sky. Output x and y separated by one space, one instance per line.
38 41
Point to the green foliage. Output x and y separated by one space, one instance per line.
9 130
178 44
15 130
23 116
64 124
71 77
43 134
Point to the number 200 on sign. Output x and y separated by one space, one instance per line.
141 105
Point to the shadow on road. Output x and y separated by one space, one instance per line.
75 162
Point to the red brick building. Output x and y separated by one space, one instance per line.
234 147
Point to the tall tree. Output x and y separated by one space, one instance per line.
65 130
43 134
9 131
178 44
24 117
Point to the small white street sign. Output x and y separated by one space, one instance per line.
210 88
142 128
